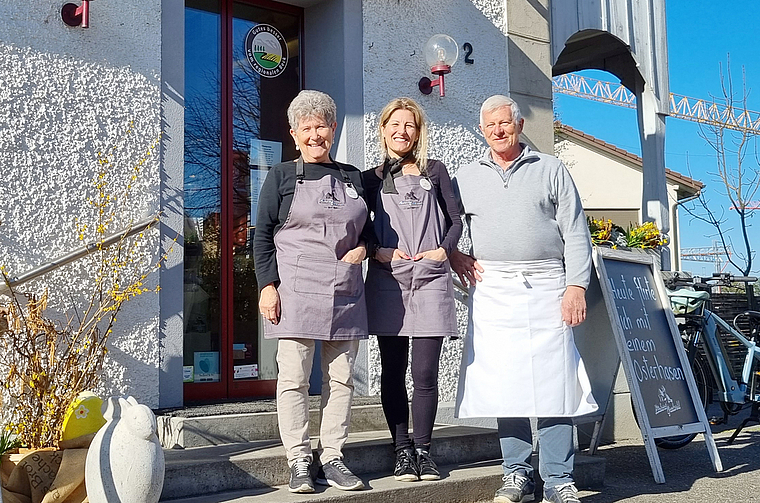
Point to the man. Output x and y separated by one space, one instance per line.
529 267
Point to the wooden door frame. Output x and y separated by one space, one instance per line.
227 387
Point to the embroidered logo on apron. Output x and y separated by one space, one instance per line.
330 201
410 201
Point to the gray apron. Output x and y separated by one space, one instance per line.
321 297
406 297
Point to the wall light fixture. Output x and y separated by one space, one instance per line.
441 52
76 15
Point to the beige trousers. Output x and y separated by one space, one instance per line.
295 358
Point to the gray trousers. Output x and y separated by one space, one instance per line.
556 452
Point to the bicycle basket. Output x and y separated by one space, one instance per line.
684 301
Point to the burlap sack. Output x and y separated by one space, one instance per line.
44 476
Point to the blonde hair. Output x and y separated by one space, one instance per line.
420 147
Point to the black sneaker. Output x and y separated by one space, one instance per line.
335 473
300 477
566 493
517 488
406 466
426 465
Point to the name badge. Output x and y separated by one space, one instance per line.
425 184
351 192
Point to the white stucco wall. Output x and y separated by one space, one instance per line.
394 35
65 94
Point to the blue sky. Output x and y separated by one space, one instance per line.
701 34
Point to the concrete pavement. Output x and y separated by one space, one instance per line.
688 472
689 475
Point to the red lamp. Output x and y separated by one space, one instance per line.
441 52
76 15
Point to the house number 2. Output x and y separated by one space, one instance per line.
467 53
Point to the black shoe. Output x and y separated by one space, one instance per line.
517 488
300 477
427 467
335 473
406 466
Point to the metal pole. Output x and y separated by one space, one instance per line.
140 226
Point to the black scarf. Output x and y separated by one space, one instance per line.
390 168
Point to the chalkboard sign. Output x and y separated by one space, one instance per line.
662 386
649 343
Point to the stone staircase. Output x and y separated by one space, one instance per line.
238 457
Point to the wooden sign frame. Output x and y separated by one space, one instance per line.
649 433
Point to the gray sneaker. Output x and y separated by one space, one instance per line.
517 488
300 477
566 493
335 473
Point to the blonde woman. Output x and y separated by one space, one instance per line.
409 287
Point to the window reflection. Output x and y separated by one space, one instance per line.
202 179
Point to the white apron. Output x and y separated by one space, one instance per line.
519 357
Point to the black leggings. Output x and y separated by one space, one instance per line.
394 358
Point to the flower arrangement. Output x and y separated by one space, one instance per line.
605 233
46 361
646 235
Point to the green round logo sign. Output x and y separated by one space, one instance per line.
266 50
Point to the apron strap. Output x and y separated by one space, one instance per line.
300 171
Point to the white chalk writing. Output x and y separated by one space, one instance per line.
648 370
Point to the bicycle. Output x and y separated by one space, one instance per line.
701 331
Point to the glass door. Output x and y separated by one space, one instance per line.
242 69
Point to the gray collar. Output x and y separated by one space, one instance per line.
526 155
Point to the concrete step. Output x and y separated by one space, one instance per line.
262 464
261 467
460 483
186 432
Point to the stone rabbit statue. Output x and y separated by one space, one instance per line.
125 462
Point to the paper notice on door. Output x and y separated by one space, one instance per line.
264 154
206 368
246 371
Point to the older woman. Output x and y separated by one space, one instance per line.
409 287
312 226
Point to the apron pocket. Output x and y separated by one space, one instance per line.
348 279
400 274
431 275
314 275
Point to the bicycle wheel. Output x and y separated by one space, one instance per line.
704 388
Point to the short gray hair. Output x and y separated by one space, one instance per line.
310 103
498 101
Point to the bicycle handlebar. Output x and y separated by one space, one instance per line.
724 276
717 279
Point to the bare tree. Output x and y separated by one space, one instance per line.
738 173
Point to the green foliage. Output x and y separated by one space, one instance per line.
8 441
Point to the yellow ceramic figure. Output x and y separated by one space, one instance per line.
84 416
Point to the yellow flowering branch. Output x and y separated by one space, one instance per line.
45 364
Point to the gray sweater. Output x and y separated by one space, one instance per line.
531 211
